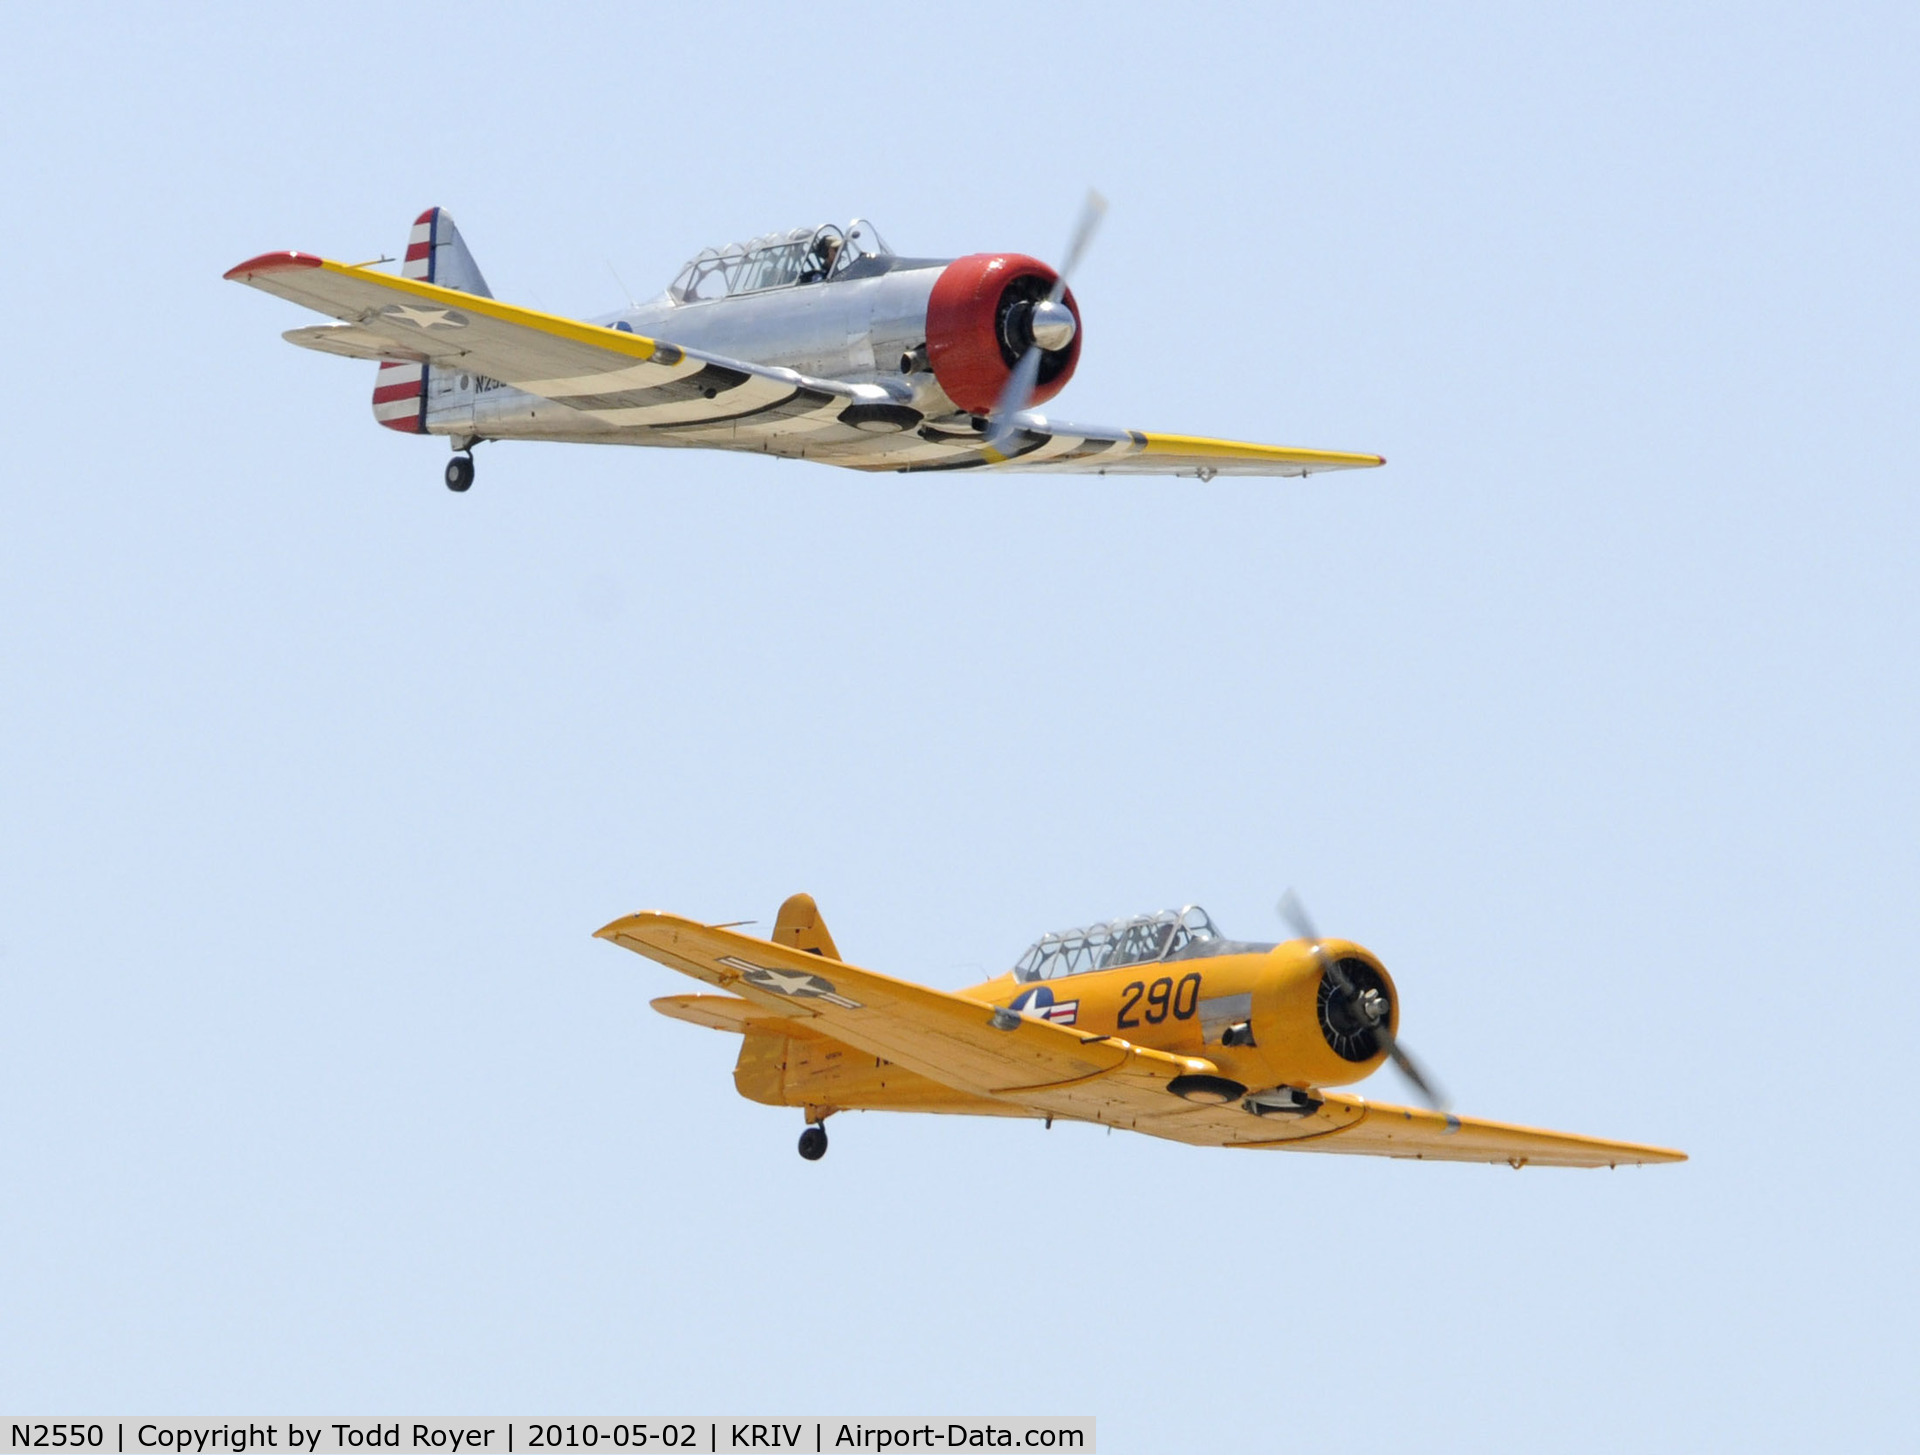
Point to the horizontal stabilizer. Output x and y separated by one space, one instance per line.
727 1013
350 341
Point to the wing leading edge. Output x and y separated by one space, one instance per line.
607 381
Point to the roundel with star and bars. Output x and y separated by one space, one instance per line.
800 984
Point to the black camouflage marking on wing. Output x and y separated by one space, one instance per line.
712 379
801 401
1085 450
976 457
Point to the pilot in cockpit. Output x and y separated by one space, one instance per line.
826 248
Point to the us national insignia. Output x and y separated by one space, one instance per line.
799 984
424 317
1040 1004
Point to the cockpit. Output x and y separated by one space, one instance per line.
1140 940
778 260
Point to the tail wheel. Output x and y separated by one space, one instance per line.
460 473
813 1143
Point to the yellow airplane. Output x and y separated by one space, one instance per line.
1154 1024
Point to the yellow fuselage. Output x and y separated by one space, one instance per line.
1268 1001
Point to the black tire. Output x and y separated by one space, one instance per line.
460 473
1210 1090
813 1143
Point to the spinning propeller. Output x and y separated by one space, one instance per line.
1369 1008
1052 326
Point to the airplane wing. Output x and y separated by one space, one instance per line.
1055 447
606 378
1383 1130
1050 1069
948 1038
611 386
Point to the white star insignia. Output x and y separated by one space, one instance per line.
787 982
425 317
799 983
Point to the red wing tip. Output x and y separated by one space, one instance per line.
272 263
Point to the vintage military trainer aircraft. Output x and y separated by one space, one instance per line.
817 344
1155 1024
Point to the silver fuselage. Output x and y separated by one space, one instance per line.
852 328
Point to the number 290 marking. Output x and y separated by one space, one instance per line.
1161 996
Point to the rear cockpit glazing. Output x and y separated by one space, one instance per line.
777 260
1139 940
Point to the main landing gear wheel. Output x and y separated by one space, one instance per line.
813 1143
1207 1090
460 473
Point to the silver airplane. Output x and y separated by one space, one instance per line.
816 344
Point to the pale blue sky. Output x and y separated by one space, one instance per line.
1593 713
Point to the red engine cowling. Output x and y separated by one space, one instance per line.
977 330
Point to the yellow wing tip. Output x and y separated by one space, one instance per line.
643 922
1206 447
1638 1154
629 922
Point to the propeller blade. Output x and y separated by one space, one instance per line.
1294 913
1013 398
1018 392
1409 1068
1091 212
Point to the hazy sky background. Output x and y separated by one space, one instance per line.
1594 713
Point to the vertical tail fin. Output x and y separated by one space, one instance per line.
436 253
800 925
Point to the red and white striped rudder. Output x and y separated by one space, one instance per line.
436 253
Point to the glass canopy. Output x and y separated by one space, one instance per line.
778 260
1139 940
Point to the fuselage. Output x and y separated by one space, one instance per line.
1255 1011
938 336
1258 1013
856 328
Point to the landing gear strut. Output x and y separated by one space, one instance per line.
460 473
813 1143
